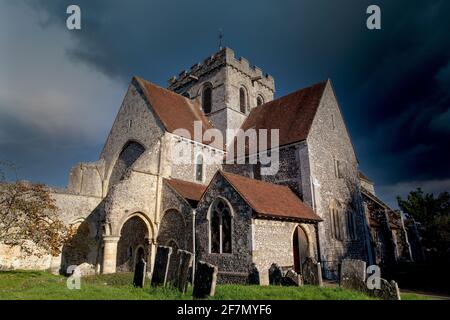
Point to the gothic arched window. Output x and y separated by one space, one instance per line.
242 100
199 168
207 99
220 227
336 228
259 101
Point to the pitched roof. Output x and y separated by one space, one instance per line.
174 110
292 114
188 190
374 198
271 200
363 176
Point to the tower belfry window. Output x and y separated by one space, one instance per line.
259 101
242 100
207 99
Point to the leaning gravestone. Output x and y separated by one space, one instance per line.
388 290
275 274
312 273
205 280
253 275
161 266
139 273
353 274
292 278
184 268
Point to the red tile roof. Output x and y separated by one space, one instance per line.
174 110
271 200
188 190
292 114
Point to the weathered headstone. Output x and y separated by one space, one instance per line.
205 280
388 290
275 274
292 278
86 269
184 269
161 265
253 275
140 273
312 273
353 274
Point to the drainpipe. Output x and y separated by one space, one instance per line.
316 227
193 244
319 254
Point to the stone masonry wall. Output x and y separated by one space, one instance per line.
328 141
273 243
74 210
178 226
212 159
231 265
136 122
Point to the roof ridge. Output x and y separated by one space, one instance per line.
256 180
162 88
323 82
183 181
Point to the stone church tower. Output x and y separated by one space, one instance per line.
227 88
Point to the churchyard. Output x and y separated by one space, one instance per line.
38 285
178 284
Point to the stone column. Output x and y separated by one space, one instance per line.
152 255
110 254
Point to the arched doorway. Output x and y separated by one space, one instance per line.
300 246
133 242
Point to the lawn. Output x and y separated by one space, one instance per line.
38 285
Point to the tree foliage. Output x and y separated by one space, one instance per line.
433 214
29 218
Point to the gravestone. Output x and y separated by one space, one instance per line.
353 274
388 290
161 265
139 273
312 273
275 274
253 275
184 269
205 280
292 278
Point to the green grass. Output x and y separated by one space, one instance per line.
37 285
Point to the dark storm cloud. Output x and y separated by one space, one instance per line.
393 84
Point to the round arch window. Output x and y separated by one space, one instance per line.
259 101
207 99
242 100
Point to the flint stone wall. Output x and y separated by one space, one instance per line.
328 140
240 259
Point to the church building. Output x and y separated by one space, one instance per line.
137 196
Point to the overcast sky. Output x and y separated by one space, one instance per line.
60 90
